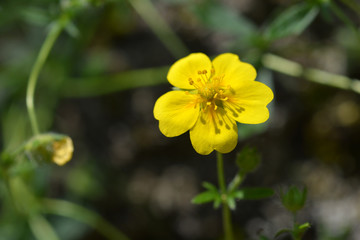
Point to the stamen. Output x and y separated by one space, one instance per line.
191 82
215 107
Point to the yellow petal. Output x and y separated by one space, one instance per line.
177 112
233 70
186 68
247 103
214 130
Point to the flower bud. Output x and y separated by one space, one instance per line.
294 199
50 147
248 159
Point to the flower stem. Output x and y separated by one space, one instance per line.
55 31
225 208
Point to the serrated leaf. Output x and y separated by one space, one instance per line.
253 193
205 197
292 21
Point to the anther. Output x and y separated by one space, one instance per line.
215 106
199 72
204 72
208 103
191 82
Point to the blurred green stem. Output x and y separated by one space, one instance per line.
294 69
81 214
225 208
53 34
41 228
158 25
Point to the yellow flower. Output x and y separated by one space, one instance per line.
213 96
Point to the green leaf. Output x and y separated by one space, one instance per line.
209 186
282 231
253 193
299 230
343 17
100 85
304 226
205 197
224 19
41 228
217 202
293 21
84 215
231 202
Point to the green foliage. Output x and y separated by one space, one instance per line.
253 193
293 21
297 232
70 72
294 199
211 195
95 86
218 17
247 160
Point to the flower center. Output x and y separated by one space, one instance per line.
210 89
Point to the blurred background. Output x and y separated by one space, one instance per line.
108 67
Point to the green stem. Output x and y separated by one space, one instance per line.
81 214
294 69
226 210
41 228
55 31
159 26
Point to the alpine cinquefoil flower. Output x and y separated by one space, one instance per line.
212 97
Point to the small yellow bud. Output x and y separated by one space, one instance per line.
50 147
62 151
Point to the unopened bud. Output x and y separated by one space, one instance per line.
248 159
50 147
294 199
